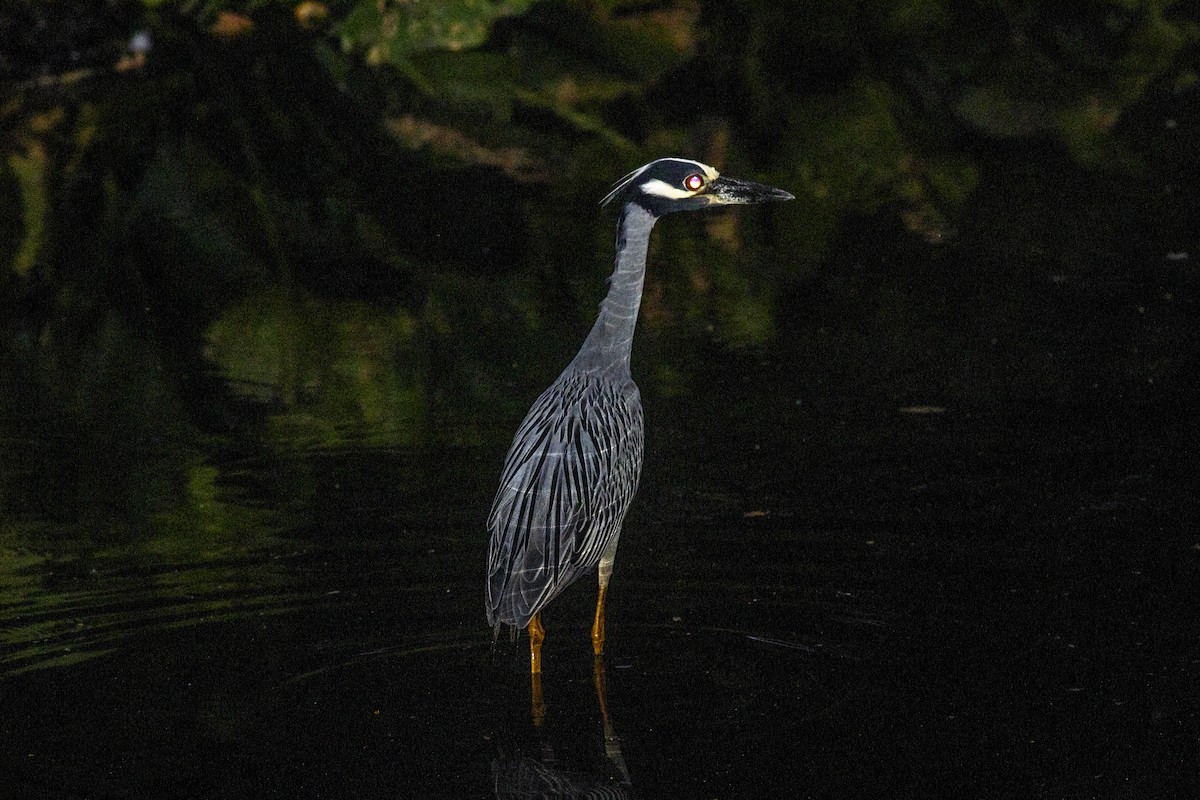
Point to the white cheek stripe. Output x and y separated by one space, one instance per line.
663 189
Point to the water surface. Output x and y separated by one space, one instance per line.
937 539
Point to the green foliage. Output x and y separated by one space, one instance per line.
371 217
392 31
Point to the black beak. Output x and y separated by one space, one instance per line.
729 191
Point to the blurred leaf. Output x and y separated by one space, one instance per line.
29 169
855 148
311 14
390 31
477 83
579 120
446 141
651 44
1153 46
231 25
1002 114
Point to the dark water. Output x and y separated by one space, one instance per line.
940 539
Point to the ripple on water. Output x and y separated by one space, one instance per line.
60 613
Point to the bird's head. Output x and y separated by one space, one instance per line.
680 184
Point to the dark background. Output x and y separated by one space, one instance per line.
918 517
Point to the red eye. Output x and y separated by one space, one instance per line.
693 182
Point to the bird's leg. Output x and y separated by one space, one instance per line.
536 635
598 624
601 693
538 705
612 745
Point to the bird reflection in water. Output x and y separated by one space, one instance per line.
546 776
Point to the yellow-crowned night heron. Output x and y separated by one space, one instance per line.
573 466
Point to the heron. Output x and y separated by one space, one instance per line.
574 463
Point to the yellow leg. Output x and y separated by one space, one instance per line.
598 624
538 708
536 635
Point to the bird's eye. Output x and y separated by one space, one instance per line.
693 182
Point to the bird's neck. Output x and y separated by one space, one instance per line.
609 344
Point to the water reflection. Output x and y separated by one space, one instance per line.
58 612
546 775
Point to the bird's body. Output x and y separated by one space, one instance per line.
574 464
577 458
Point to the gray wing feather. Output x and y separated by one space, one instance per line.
568 479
